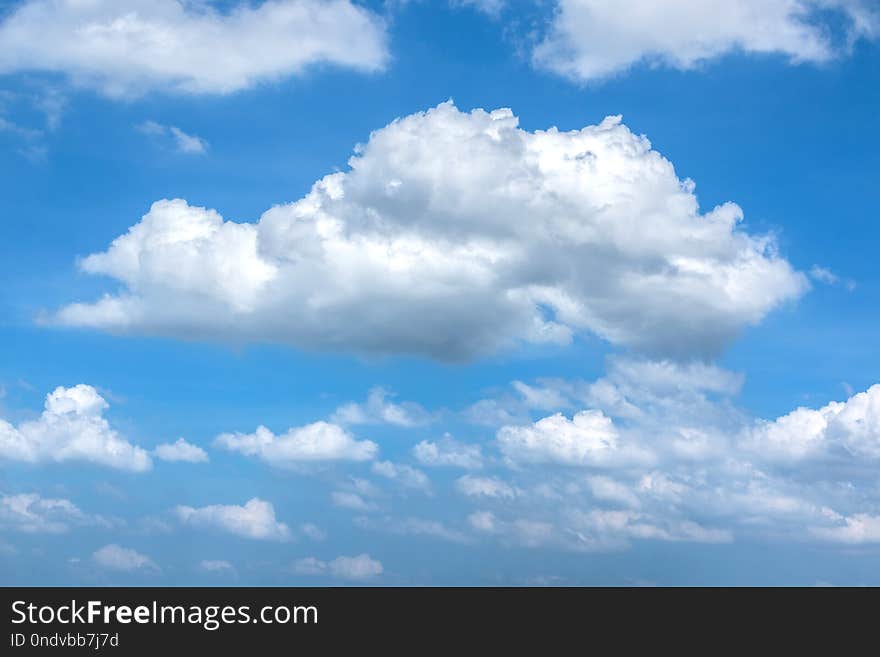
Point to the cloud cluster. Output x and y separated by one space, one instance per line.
312 443
591 39
454 234
662 453
255 520
125 48
71 428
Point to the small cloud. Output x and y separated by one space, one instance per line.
182 142
379 409
256 519
359 568
317 442
828 277
218 567
181 450
406 475
485 487
116 557
353 501
312 532
448 452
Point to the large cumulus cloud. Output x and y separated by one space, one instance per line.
451 235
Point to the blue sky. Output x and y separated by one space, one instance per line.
501 355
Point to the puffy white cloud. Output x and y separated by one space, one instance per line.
378 409
361 567
588 438
312 443
116 557
852 426
593 39
256 519
129 47
71 428
406 475
28 512
181 450
451 235
448 452
472 486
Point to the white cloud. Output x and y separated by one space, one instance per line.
852 426
859 528
182 142
312 443
452 235
413 527
490 7
256 519
379 410
448 452
30 513
542 398
181 450
217 567
406 475
115 557
312 532
828 277
361 567
472 486
126 48
592 39
598 529
349 500
664 454
71 428
483 521
588 438
824 275
609 490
